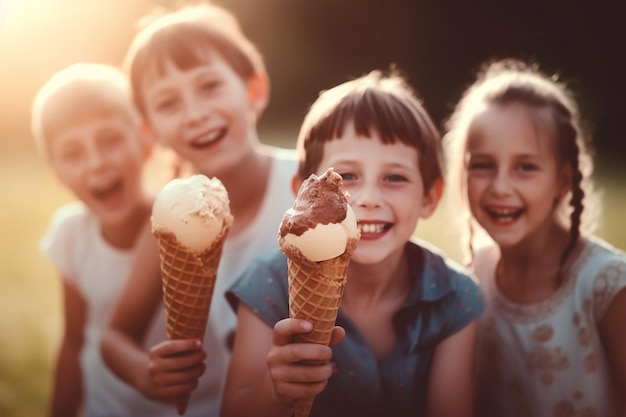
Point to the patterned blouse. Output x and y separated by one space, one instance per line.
443 300
546 359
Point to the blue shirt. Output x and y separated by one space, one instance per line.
444 299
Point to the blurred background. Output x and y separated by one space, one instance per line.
308 45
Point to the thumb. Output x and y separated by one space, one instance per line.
284 329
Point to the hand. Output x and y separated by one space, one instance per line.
174 369
299 370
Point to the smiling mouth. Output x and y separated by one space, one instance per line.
108 191
209 138
504 215
373 229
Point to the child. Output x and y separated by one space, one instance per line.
408 313
202 87
89 133
551 341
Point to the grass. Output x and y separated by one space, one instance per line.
30 297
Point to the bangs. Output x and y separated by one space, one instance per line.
186 46
184 49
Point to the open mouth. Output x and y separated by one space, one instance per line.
108 191
373 230
503 215
209 138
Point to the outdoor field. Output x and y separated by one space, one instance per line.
30 299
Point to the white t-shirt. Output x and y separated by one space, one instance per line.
99 271
75 245
546 358
260 236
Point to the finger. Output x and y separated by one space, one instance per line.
299 353
287 327
179 377
176 347
337 335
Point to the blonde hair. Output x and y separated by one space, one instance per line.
77 93
185 37
512 81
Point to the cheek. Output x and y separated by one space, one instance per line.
473 191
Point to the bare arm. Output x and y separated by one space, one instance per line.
451 376
614 340
266 373
169 369
67 395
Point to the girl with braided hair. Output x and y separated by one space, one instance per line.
551 341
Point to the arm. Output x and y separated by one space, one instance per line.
614 339
451 375
169 369
266 373
67 395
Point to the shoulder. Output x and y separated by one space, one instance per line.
284 161
263 283
437 265
67 222
600 272
599 257
70 213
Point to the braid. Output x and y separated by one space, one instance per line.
577 206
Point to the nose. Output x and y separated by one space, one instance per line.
95 158
195 111
501 183
367 196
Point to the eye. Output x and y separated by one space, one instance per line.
526 167
209 85
70 154
165 104
396 178
110 140
348 176
480 165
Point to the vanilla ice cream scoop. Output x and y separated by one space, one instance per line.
321 222
194 209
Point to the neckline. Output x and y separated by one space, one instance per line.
538 310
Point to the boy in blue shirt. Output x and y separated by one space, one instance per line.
406 323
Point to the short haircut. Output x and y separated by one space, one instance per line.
185 38
77 93
383 102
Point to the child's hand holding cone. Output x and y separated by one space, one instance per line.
318 235
191 219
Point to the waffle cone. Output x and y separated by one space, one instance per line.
188 280
315 291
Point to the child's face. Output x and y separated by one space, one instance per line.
512 176
385 188
206 114
100 160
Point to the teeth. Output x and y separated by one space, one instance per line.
372 228
211 137
504 212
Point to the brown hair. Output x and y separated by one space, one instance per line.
379 101
513 81
184 38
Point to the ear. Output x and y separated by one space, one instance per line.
296 183
431 199
258 87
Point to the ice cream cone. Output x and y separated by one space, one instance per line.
188 279
315 291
